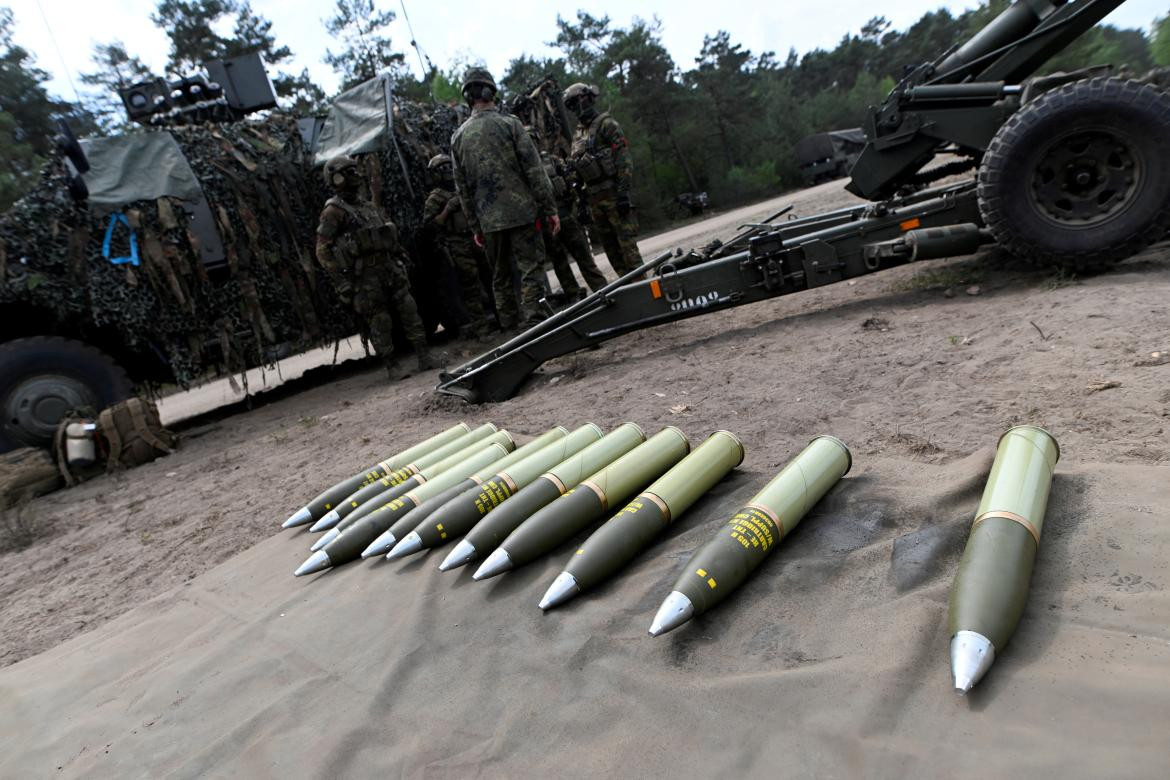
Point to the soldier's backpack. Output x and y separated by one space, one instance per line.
134 434
127 434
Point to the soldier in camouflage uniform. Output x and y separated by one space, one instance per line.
360 252
601 156
572 240
506 197
443 215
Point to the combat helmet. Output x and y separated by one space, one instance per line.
478 84
580 96
341 172
438 161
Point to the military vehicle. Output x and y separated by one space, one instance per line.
1071 170
826 156
185 249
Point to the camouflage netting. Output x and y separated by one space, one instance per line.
265 196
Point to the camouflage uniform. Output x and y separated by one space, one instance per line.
360 252
453 233
572 235
601 156
505 193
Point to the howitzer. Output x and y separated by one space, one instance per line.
1073 170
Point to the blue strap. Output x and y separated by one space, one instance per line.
132 258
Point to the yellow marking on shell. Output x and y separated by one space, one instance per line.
580 552
329 506
353 504
443 535
439 527
701 572
711 581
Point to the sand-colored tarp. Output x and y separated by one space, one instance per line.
831 663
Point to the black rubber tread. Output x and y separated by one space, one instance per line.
23 357
1005 173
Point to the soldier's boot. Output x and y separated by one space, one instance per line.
427 359
397 369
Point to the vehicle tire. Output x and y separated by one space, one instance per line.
1080 176
43 377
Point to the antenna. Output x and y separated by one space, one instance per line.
417 50
53 39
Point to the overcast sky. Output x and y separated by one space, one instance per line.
493 33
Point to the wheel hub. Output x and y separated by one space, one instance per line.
1086 178
33 409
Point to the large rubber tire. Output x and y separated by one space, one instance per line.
1080 176
43 377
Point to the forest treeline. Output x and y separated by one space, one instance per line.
725 123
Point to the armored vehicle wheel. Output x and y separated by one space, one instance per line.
1080 176
42 378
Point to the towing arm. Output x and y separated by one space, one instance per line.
795 256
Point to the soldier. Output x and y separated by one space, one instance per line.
360 252
506 197
601 156
567 191
443 214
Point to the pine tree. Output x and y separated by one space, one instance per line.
26 116
366 50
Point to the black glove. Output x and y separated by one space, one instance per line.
623 204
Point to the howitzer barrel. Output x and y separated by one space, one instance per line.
722 565
991 587
1014 23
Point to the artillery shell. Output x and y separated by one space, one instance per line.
991 587
329 498
403 525
580 507
720 566
492 529
392 486
461 514
624 535
349 545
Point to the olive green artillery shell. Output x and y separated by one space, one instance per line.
581 506
474 480
442 483
406 523
353 514
991 587
561 478
461 514
520 453
625 534
721 565
438 454
357 537
330 498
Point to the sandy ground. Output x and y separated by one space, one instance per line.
918 368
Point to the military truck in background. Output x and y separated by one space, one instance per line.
826 156
185 250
